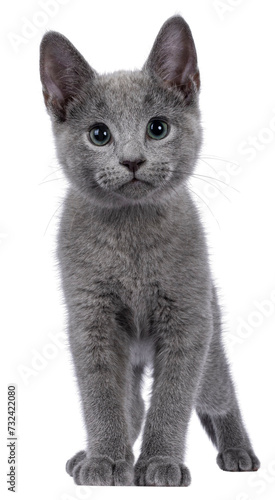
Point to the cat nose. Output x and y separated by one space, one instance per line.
132 165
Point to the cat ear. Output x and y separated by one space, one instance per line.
174 59
63 72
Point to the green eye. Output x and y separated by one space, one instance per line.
157 129
100 135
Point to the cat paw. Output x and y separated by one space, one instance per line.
161 471
238 459
99 471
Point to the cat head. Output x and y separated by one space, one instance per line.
126 137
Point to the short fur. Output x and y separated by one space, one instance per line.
134 265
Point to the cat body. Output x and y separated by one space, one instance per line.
134 264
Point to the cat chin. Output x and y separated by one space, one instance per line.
135 190
137 194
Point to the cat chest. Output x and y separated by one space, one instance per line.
135 284
141 291
135 271
138 278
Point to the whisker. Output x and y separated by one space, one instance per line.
194 192
201 199
214 186
216 180
58 208
52 173
213 157
50 180
200 177
208 164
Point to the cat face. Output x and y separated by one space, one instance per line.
127 137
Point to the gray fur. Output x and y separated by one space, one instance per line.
134 266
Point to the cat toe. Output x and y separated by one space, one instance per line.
238 459
78 457
123 473
161 471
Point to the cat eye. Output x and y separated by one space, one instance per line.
157 129
100 135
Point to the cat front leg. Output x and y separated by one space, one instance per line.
180 350
101 356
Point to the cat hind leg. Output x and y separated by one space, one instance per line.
219 413
218 409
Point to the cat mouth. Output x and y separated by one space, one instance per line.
136 181
135 189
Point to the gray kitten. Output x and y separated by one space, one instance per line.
134 264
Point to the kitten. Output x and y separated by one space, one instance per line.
134 264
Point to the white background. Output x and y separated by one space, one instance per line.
235 42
